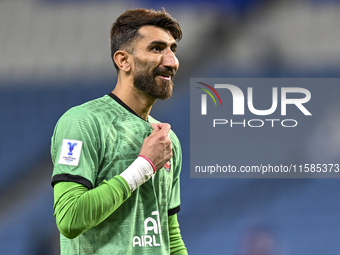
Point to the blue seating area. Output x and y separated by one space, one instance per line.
28 119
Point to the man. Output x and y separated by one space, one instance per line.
116 169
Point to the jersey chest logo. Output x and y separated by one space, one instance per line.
167 166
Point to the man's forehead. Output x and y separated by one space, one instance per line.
152 33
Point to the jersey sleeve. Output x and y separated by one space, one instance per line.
75 148
175 199
78 209
177 246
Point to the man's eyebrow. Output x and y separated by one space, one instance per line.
162 43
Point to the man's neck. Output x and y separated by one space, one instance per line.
137 100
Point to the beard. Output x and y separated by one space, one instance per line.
147 83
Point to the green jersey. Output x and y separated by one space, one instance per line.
98 140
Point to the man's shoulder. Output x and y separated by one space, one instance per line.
96 109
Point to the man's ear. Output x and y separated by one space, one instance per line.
121 58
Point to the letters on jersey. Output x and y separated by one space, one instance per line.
152 233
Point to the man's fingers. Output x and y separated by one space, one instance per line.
161 126
154 127
165 127
157 146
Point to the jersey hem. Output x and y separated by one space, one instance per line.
71 178
174 210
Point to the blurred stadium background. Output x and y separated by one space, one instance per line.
55 54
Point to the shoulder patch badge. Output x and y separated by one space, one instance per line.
70 152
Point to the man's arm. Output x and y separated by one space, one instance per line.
78 209
177 246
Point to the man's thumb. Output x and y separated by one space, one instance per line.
154 127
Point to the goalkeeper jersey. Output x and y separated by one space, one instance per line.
98 140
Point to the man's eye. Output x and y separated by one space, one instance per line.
157 48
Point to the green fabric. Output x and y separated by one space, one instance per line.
177 246
78 209
108 138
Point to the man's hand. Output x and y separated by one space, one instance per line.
157 146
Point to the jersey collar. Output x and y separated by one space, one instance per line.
119 101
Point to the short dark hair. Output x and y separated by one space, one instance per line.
124 30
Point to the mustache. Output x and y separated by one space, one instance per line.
165 70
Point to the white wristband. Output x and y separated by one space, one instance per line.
137 173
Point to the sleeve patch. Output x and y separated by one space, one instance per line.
70 152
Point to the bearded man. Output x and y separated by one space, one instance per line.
116 173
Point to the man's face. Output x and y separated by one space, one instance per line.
155 63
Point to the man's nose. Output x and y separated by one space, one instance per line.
170 59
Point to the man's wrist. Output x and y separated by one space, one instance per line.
138 172
146 158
